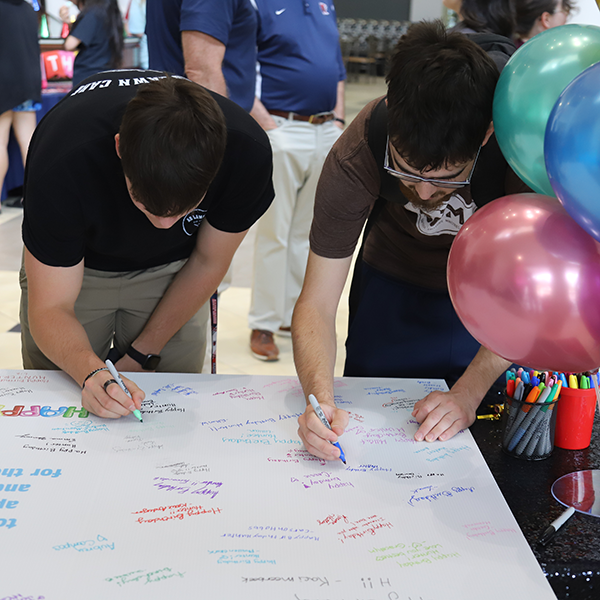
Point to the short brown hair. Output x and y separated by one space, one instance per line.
440 95
172 142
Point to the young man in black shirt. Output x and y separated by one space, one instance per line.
139 189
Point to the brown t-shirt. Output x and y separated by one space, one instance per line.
404 242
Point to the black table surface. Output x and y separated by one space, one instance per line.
571 561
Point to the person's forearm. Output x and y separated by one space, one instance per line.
479 376
340 107
262 115
62 338
210 79
203 57
314 342
189 290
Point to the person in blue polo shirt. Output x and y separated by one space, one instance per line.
211 43
300 104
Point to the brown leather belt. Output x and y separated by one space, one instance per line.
314 119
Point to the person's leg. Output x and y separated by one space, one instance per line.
139 295
316 143
94 309
272 231
399 330
24 124
5 124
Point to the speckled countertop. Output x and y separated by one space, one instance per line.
571 560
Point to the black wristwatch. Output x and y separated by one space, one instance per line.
149 362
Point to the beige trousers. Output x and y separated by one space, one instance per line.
114 308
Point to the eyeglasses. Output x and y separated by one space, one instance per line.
411 178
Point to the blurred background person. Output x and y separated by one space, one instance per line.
210 42
97 35
20 77
136 22
535 16
484 16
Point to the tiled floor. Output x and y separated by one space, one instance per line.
233 354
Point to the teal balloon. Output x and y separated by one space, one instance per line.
528 89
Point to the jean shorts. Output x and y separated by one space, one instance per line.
28 106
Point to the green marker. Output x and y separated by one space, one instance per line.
115 374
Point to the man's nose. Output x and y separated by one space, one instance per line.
425 190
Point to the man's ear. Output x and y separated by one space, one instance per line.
545 20
488 133
117 145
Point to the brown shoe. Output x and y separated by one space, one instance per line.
263 346
285 331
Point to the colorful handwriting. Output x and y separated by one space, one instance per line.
361 527
273 532
21 597
52 444
87 545
367 468
400 404
378 391
236 557
412 554
138 444
24 377
484 528
322 581
76 427
14 391
44 411
183 468
427 494
182 486
323 478
177 389
244 393
149 406
175 512
260 436
417 475
144 577
437 453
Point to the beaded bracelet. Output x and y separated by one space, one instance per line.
92 374
340 120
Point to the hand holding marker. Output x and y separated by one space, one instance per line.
115 374
319 411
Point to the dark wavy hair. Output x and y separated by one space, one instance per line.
109 12
528 11
440 95
171 141
489 16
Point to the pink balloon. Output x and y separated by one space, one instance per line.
524 278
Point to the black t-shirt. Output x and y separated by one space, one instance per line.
76 203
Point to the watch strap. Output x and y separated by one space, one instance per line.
143 359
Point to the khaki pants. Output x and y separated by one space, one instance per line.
114 308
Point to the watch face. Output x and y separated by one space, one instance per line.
151 362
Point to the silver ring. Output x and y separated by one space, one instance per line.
107 383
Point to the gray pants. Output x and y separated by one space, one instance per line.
114 307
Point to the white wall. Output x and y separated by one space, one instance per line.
588 13
425 9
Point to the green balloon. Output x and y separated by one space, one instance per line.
528 89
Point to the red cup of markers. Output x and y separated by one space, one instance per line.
575 418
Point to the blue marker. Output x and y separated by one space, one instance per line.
115 374
315 404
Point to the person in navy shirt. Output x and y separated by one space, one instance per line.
300 104
211 43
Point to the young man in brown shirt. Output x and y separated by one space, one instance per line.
417 163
